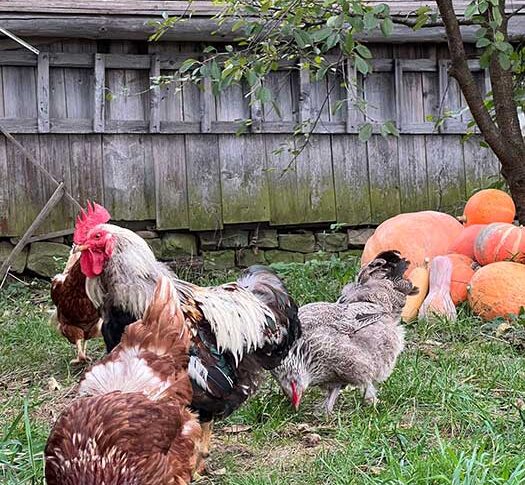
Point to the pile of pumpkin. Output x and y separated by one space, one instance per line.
477 257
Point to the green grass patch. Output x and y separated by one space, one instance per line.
452 412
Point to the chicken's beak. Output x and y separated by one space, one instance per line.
79 248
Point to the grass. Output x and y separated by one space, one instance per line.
452 412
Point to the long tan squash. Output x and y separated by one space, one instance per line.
419 277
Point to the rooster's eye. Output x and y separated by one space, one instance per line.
97 235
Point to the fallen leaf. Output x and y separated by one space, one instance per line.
237 428
53 385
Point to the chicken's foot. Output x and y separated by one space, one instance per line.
331 398
81 345
370 394
204 447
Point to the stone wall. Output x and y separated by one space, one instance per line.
228 248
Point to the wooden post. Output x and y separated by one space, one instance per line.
206 105
398 89
351 76
255 113
99 94
154 114
50 204
43 92
443 87
305 100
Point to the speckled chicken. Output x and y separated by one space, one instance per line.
131 423
355 341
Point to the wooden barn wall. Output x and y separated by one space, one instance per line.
171 154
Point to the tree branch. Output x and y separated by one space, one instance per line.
461 72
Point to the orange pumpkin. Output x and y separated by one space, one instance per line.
496 290
462 272
416 235
489 205
464 244
500 241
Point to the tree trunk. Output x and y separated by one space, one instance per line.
514 174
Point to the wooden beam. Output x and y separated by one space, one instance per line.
43 92
305 100
154 113
99 94
256 113
197 29
398 90
50 204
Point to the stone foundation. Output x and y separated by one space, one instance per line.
212 250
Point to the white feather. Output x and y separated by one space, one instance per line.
129 373
198 373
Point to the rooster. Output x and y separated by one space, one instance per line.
131 423
237 329
355 341
76 317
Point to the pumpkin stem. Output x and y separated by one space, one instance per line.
462 218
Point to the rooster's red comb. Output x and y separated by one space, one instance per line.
88 219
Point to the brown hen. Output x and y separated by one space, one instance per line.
131 424
76 317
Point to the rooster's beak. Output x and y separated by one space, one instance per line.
79 248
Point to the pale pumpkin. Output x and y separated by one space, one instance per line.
464 244
438 302
496 290
462 272
416 235
419 278
500 242
487 206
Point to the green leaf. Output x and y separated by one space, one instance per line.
504 60
215 72
483 144
348 45
471 10
497 18
302 38
263 94
391 128
365 132
363 51
480 32
499 37
387 27
483 42
370 21
332 41
362 66
187 65
321 34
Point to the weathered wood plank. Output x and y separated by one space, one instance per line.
204 188
206 103
87 177
306 115
379 89
4 190
280 83
129 89
154 116
245 195
413 173
384 177
20 83
22 175
232 105
43 92
35 224
99 94
80 82
481 165
352 189
446 172
55 157
302 187
129 179
171 189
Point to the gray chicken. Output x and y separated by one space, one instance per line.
354 341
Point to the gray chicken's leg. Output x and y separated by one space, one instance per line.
333 393
370 395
